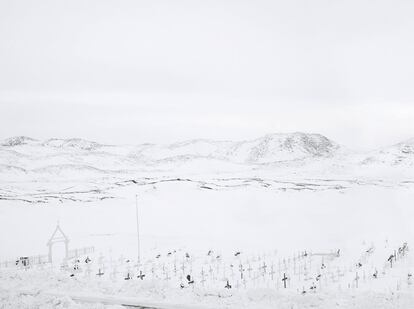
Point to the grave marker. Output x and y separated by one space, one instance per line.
141 275
356 279
284 279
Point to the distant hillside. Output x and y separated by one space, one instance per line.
17 140
267 149
280 152
401 154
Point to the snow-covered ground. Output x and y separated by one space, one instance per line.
270 211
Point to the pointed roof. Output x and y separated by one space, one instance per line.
57 235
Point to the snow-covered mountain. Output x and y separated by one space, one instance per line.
284 147
401 154
26 152
287 152
17 140
267 149
76 143
41 171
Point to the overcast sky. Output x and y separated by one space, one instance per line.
162 71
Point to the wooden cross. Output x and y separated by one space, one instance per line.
203 276
272 272
249 269
128 277
141 275
284 279
404 248
241 270
390 259
100 273
189 279
264 267
294 264
356 279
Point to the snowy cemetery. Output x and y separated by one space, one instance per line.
223 276
370 266
302 272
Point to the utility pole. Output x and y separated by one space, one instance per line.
138 243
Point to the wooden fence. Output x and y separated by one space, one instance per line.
44 258
75 253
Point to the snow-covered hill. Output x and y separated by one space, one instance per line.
280 153
28 153
401 154
284 147
17 140
267 149
76 143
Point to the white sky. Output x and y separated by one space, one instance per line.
162 71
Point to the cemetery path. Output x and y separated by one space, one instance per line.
128 302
